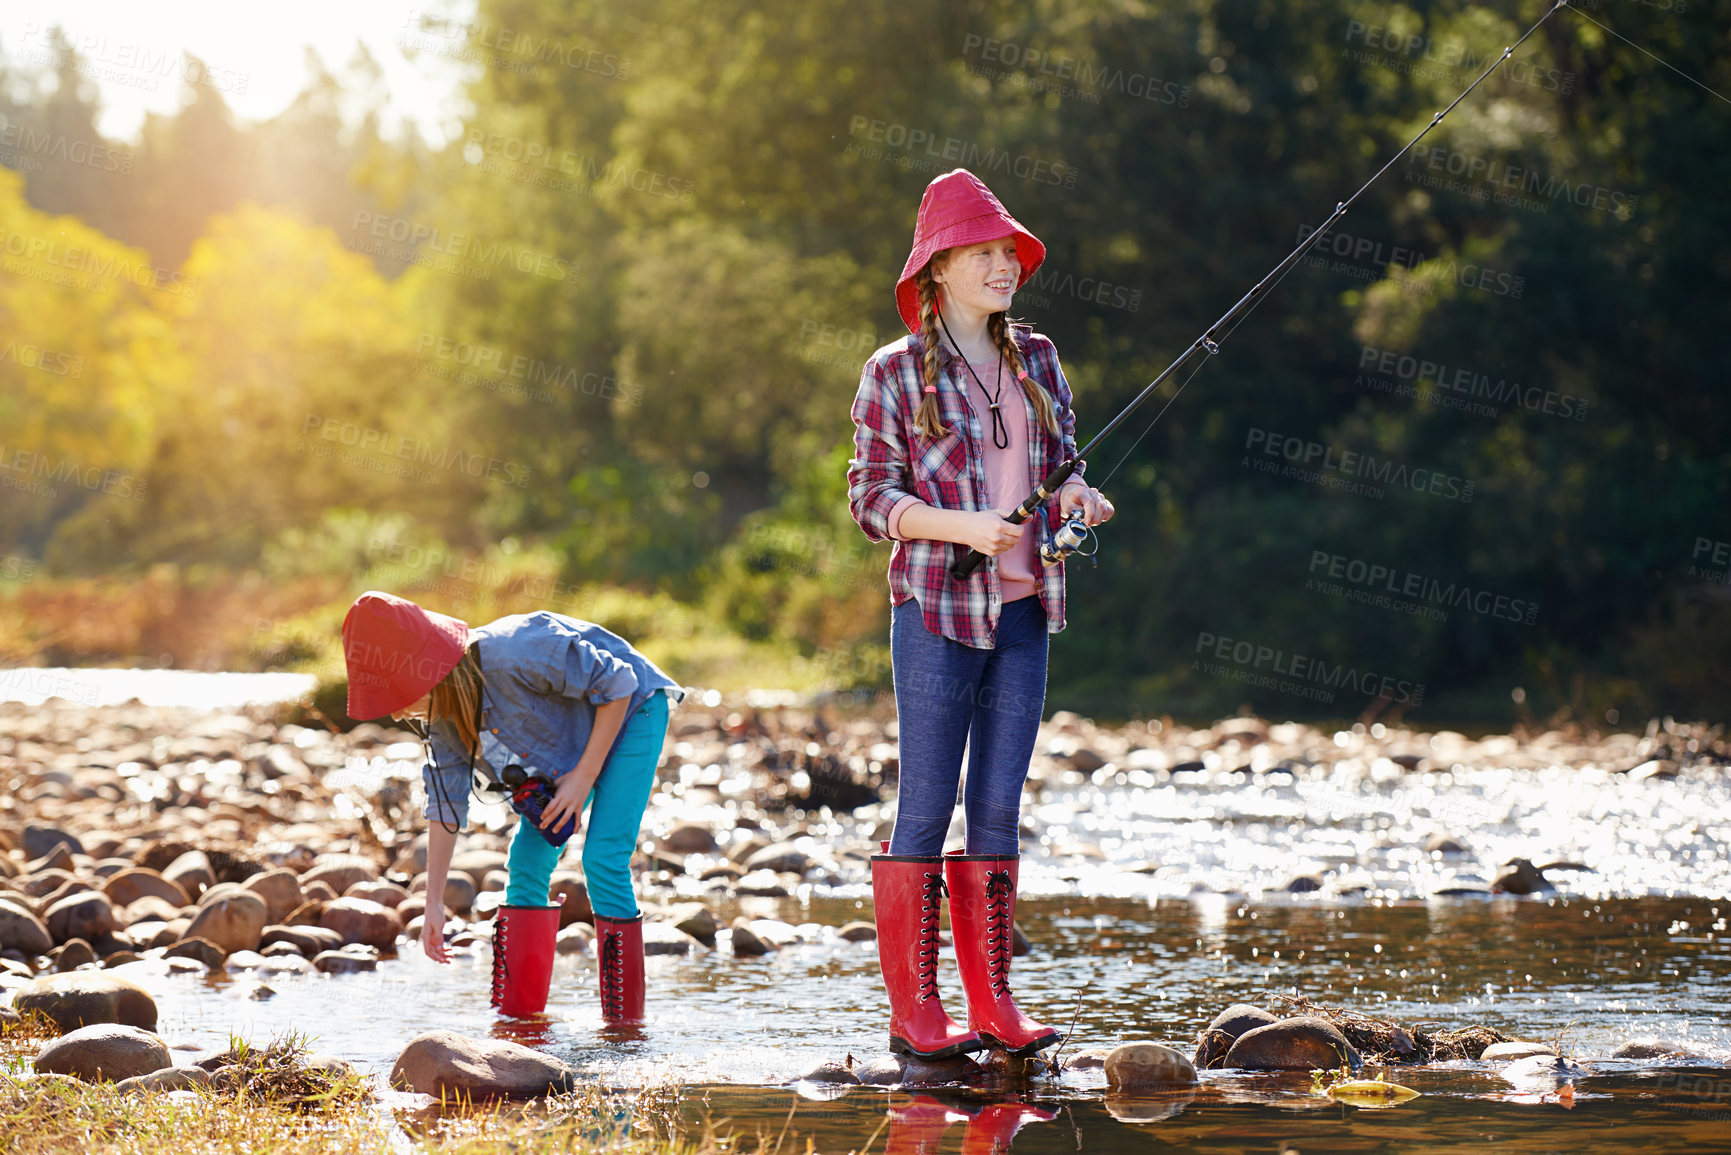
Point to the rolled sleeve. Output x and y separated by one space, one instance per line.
446 778
877 472
895 520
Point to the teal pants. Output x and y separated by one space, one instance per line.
615 806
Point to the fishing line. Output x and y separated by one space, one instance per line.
1209 341
1638 48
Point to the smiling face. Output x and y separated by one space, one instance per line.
979 279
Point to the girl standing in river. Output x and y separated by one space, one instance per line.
955 424
562 698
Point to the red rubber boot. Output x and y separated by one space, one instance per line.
619 957
982 914
905 894
993 1130
523 958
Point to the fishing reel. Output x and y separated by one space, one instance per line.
1068 540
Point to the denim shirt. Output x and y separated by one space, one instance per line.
545 674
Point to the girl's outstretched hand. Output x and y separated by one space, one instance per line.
1091 502
433 933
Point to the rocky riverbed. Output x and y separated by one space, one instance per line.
146 848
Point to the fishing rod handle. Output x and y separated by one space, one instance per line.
971 561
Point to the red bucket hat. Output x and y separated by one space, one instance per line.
958 209
396 651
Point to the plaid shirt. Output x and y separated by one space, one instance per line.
892 460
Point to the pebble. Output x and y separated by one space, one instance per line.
858 932
84 997
1218 1036
167 1079
87 916
447 1065
21 930
744 940
831 1071
1147 1066
106 1051
337 962
360 920
126 887
1305 1043
661 938
234 920
199 949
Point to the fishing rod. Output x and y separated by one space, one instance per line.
1071 535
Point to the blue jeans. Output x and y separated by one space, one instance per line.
949 695
615 805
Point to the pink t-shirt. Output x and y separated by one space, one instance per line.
1008 476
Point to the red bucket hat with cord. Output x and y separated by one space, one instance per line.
396 651
958 209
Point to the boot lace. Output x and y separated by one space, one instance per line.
1000 942
612 964
930 890
501 968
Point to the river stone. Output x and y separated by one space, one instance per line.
1305 1043
308 913
695 920
135 882
44 883
689 838
449 1066
908 1071
83 997
779 857
22 931
761 883
149 935
280 889
1539 1068
1146 1066
1219 1035
571 892
476 864
1093 1059
830 1071
858 932
340 871
575 939
120 958
147 909
1516 1049
86 916
40 838
202 949
746 944
1654 1049
316 891
661 938
104 1052
72 954
384 893
166 1079
341 962
362 920
60 858
495 880
234 921
308 940
192 872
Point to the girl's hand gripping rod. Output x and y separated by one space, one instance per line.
1210 340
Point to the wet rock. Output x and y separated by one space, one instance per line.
286 964
695 920
147 909
1147 1066
363 921
22 931
745 942
1504 1052
1542 1069
447 1065
1522 878
86 916
166 1079
340 871
907 1071
1306 1043
831 1071
60 858
571 892
10 1019
191 872
72 954
309 913
84 997
1656 1049
1219 1035
43 883
779 857
126 887
318 891
243 960
340 962
762 883
40 838
120 958
858 932
281 891
1302 884
234 921
1660 769
307 940
661 938
387 894
1440 843
149 935
104 1052
575 939
1092 1059
690 838
201 949
726 870
495 880
476 864
1152 1107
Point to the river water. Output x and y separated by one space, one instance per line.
1153 899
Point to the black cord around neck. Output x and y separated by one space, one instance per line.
999 429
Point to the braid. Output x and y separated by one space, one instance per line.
927 419
999 327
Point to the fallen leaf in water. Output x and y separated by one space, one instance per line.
1371 1093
